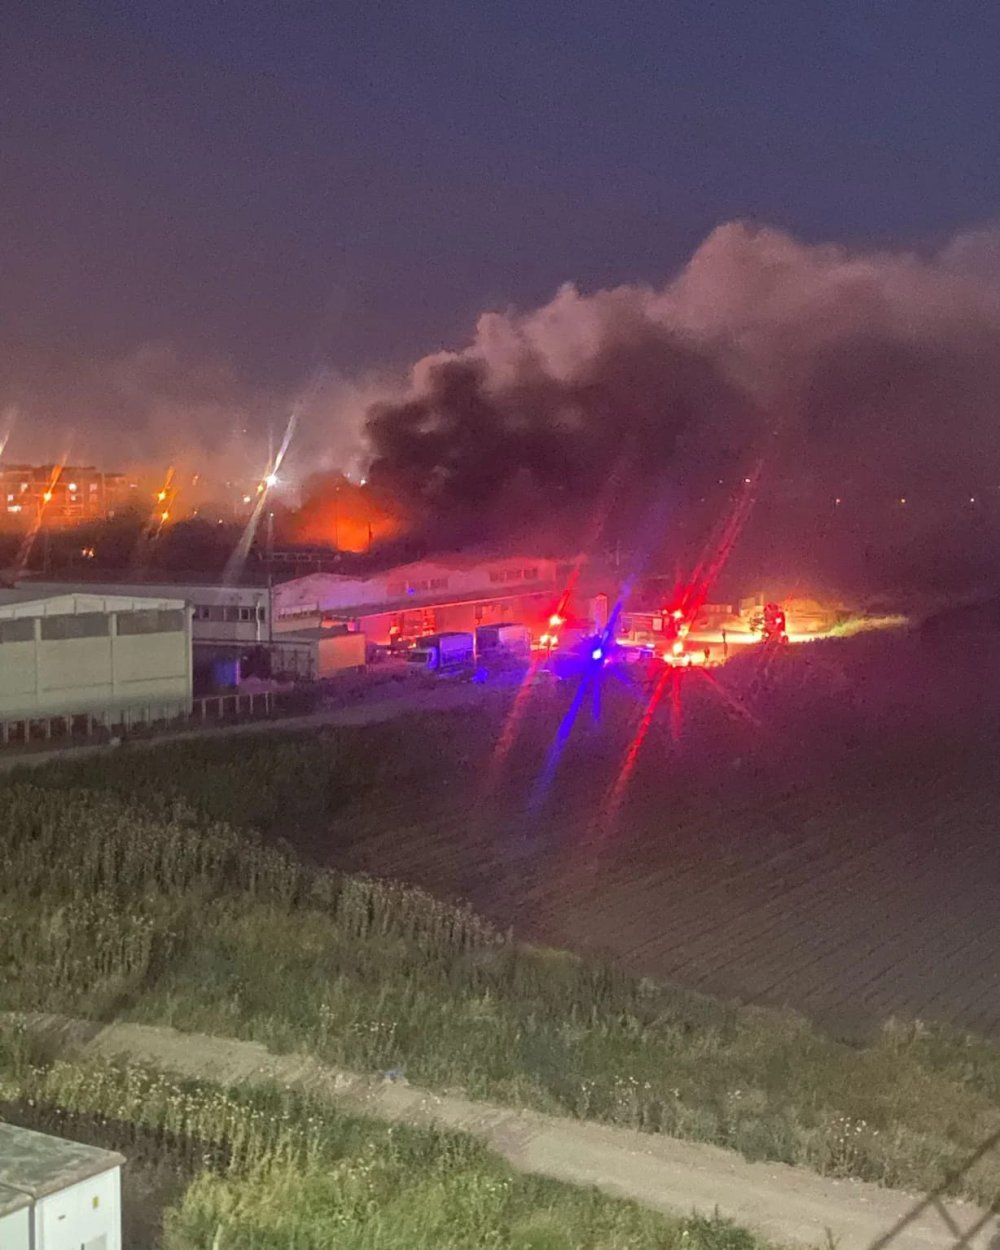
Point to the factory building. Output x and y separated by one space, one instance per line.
230 625
64 655
448 593
223 616
313 626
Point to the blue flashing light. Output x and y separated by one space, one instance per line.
596 653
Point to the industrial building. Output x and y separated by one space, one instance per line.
104 656
447 593
224 618
57 1194
310 627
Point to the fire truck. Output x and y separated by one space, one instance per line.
770 623
663 632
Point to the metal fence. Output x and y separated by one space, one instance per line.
230 708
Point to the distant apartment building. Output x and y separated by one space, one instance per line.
63 495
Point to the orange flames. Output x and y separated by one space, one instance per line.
341 514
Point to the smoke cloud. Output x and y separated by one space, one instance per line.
860 376
156 406
864 377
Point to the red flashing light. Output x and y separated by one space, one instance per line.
555 620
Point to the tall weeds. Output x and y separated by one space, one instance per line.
111 909
277 1171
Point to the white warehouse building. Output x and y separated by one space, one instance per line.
225 617
456 592
99 655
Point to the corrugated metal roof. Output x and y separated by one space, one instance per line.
37 1164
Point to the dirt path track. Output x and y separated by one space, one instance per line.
784 1203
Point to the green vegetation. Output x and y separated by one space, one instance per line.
269 1170
279 785
154 912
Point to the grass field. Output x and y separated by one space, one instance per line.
805 835
149 906
826 843
232 1170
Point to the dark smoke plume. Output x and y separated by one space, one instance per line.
863 378
472 457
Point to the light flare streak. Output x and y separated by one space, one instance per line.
512 722
28 542
237 561
617 792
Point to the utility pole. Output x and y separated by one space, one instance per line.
270 577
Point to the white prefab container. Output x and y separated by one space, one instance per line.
312 654
15 1220
57 1194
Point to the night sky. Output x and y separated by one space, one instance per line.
259 189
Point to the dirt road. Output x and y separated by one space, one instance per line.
783 1203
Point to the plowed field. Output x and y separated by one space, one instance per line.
830 863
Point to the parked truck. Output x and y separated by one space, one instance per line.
443 653
503 641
